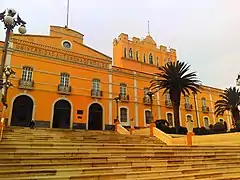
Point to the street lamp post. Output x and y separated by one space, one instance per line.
10 20
150 94
195 103
117 99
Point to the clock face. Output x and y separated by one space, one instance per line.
67 44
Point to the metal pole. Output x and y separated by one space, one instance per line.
4 55
117 111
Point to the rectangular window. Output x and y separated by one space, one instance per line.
206 122
170 119
64 79
27 73
204 102
148 116
123 115
186 99
96 84
123 89
146 90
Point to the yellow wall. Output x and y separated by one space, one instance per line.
48 59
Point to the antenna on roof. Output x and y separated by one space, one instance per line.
67 14
148 29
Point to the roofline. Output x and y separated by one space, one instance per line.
67 28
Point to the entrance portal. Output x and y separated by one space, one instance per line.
22 111
95 117
62 114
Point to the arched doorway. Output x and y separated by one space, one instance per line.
22 111
95 117
62 114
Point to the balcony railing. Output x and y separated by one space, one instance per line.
124 97
62 89
25 84
168 103
147 100
205 109
188 106
96 93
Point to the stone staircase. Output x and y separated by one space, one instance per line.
95 155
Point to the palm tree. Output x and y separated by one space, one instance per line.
175 79
230 98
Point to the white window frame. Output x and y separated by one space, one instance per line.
27 73
123 89
64 79
127 123
204 102
96 84
172 119
205 122
145 119
150 55
187 99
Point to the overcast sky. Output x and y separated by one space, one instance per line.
205 33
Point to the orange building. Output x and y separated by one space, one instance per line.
62 83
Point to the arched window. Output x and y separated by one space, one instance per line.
150 58
137 55
206 122
144 58
148 116
130 53
123 114
170 119
125 52
203 102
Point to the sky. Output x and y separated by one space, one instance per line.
205 33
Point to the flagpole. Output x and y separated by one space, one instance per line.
67 13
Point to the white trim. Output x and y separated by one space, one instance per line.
110 120
158 105
172 117
145 125
68 42
212 108
71 115
119 115
103 114
11 108
135 99
204 121
180 117
198 117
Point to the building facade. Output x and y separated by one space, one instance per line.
62 83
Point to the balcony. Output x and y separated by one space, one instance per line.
25 84
124 97
205 109
188 106
64 89
96 93
147 100
168 103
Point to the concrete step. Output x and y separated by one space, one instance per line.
197 173
118 169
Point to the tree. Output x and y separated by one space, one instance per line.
230 98
176 79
